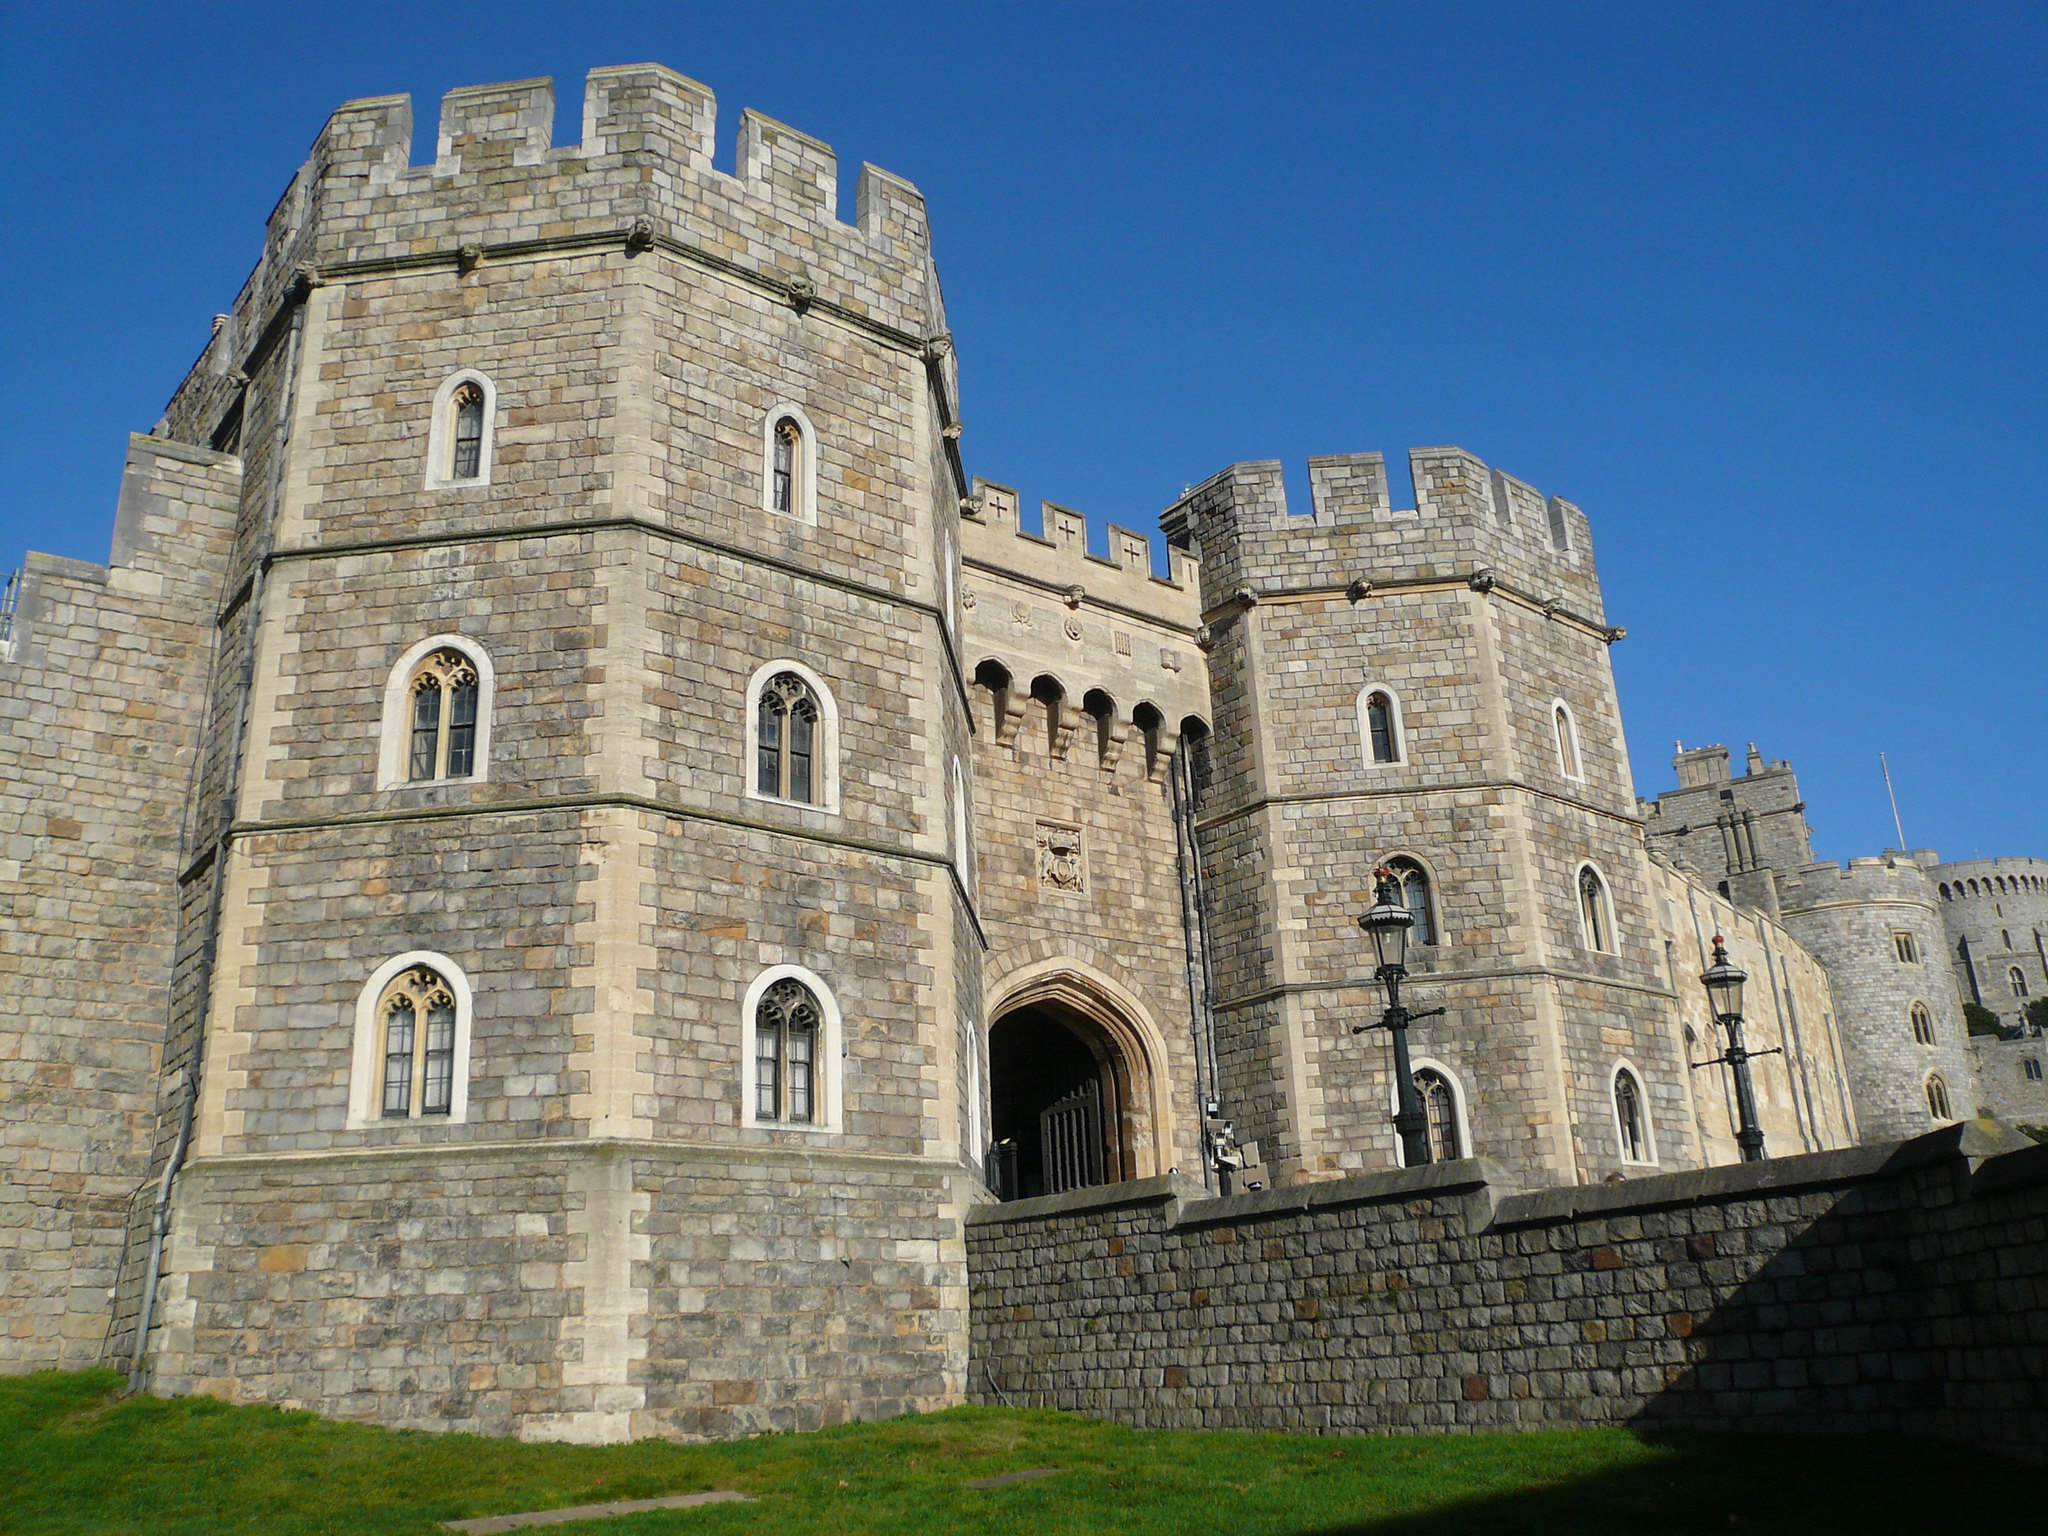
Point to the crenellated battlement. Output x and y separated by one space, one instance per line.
1470 521
1889 878
639 118
993 535
500 188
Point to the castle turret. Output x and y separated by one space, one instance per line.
580 973
1426 690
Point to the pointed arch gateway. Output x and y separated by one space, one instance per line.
1073 1085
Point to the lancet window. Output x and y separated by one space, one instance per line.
444 691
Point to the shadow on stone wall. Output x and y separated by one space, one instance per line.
1897 1289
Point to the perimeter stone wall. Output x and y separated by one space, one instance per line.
1898 1288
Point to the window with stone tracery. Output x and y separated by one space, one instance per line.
467 457
416 1044
1629 1120
2017 980
1596 916
1923 1025
1415 896
1937 1098
787 1024
787 465
1440 1108
1567 732
445 693
786 742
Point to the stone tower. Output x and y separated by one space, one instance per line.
575 951
1875 926
1497 771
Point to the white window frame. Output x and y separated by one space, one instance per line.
1649 1157
827 1060
804 504
1443 1070
441 433
963 854
1578 744
825 760
394 741
366 1078
1398 720
976 1151
1606 909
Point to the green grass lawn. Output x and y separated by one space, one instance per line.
76 1456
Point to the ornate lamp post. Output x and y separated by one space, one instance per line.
1723 982
1387 924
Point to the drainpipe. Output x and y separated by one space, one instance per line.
1187 858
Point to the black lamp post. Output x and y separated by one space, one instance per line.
1387 924
1723 982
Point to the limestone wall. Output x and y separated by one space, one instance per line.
610 883
1803 1098
101 684
1884 1289
1850 919
1306 614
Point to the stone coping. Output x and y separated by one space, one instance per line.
2006 1164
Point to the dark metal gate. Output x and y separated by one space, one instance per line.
1070 1140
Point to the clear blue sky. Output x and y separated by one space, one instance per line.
1758 286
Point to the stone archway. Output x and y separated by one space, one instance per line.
1070 1091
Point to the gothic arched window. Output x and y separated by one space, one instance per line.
1379 723
466 461
2017 980
1567 732
1923 1025
1415 896
1629 1118
416 1044
1596 917
445 691
459 431
787 1023
788 464
1937 1098
1440 1106
787 740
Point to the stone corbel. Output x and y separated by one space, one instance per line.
1113 739
1162 759
1483 580
639 236
1066 719
1009 715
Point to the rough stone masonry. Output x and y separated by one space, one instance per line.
575 875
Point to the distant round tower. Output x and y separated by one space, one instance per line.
1877 927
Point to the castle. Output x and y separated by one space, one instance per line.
570 842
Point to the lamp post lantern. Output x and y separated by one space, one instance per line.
1723 982
1387 924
